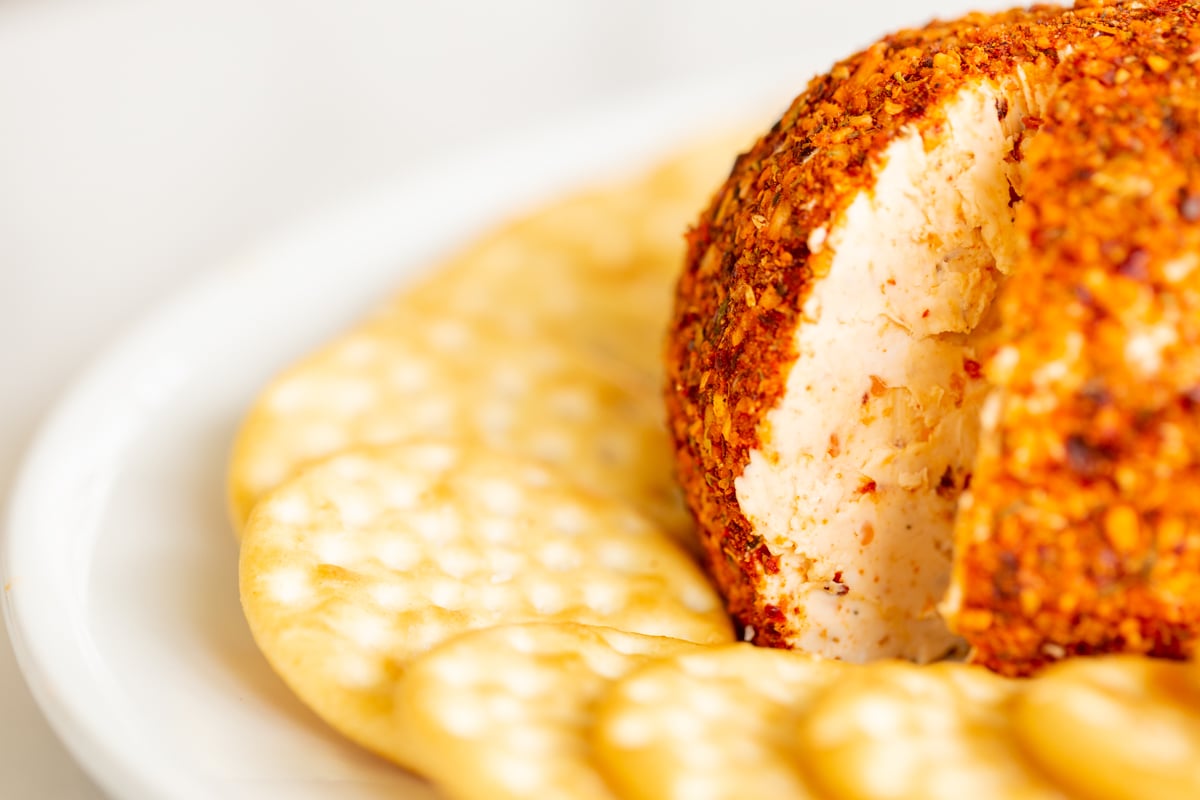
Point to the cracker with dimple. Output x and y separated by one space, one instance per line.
597 269
419 372
374 556
896 731
713 724
505 712
1115 728
543 338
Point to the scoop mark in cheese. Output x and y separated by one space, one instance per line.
872 443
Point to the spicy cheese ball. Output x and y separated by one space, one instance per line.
933 366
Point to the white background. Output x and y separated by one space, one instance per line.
141 141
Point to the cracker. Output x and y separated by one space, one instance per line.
1114 728
543 338
420 372
364 561
896 730
713 724
598 269
505 712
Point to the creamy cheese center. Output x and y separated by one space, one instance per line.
862 463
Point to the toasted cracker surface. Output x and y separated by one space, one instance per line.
896 730
1115 728
505 712
416 371
364 561
544 338
711 724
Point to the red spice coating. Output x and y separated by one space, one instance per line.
749 271
1088 488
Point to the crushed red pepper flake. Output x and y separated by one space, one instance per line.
1104 169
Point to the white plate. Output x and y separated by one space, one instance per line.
120 569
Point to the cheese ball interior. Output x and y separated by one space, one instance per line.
874 437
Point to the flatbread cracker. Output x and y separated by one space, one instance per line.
897 731
596 270
505 712
364 561
711 724
569 304
1114 728
419 372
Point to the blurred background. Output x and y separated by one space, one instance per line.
143 141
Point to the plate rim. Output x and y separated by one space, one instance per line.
561 153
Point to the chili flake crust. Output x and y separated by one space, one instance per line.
756 253
1082 531
750 266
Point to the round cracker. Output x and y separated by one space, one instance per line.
568 303
364 561
505 712
1114 728
596 270
898 731
415 371
711 724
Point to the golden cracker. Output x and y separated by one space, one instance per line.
710 724
1114 728
505 712
899 731
597 269
419 372
364 561
590 276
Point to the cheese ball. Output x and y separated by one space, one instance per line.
932 367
